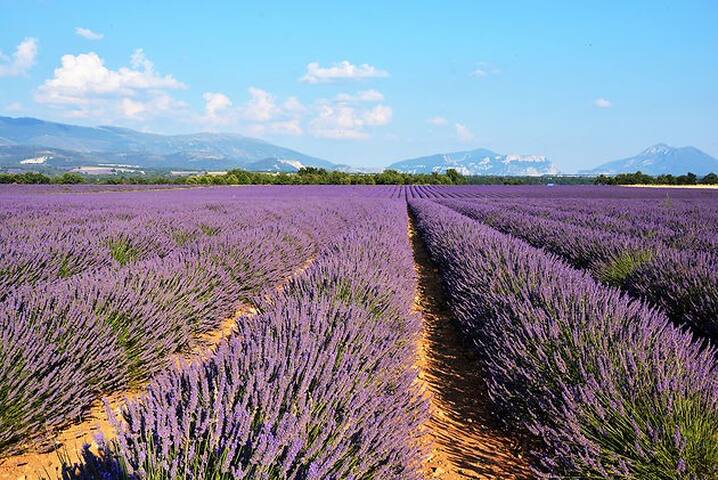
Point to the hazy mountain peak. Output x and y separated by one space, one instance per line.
658 148
662 159
480 161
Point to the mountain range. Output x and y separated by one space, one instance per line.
478 162
40 144
661 159
33 144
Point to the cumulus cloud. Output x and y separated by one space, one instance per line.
338 122
601 102
343 121
437 120
343 70
463 133
88 34
215 104
362 96
293 105
21 60
484 69
342 117
261 114
84 86
261 107
379 115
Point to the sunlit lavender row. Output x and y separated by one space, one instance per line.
320 385
592 312
189 261
605 384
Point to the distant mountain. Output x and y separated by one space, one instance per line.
478 162
67 146
661 159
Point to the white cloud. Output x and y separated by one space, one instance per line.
22 59
131 108
261 107
484 69
362 96
337 122
379 115
262 114
343 121
463 133
437 120
340 71
601 102
88 34
83 86
215 104
293 105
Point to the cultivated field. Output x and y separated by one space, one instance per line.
341 332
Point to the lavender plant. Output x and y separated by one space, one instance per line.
319 386
606 384
684 283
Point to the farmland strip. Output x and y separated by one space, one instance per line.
605 384
461 432
685 284
333 390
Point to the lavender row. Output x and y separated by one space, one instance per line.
605 384
64 346
684 284
677 225
560 192
320 385
56 239
102 331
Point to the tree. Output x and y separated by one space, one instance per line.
710 179
69 178
312 171
455 177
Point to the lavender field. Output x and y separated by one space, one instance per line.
290 332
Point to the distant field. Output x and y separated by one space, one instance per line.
336 332
673 186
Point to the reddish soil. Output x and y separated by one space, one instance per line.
463 441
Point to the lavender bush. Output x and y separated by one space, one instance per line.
130 319
320 385
606 383
684 283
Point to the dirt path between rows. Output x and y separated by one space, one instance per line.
463 444
69 442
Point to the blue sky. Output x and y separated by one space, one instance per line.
368 83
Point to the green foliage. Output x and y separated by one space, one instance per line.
639 178
321 176
68 179
24 178
122 251
616 270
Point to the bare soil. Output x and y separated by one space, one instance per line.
464 442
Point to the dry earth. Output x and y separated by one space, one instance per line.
463 440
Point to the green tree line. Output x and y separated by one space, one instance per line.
321 176
639 178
